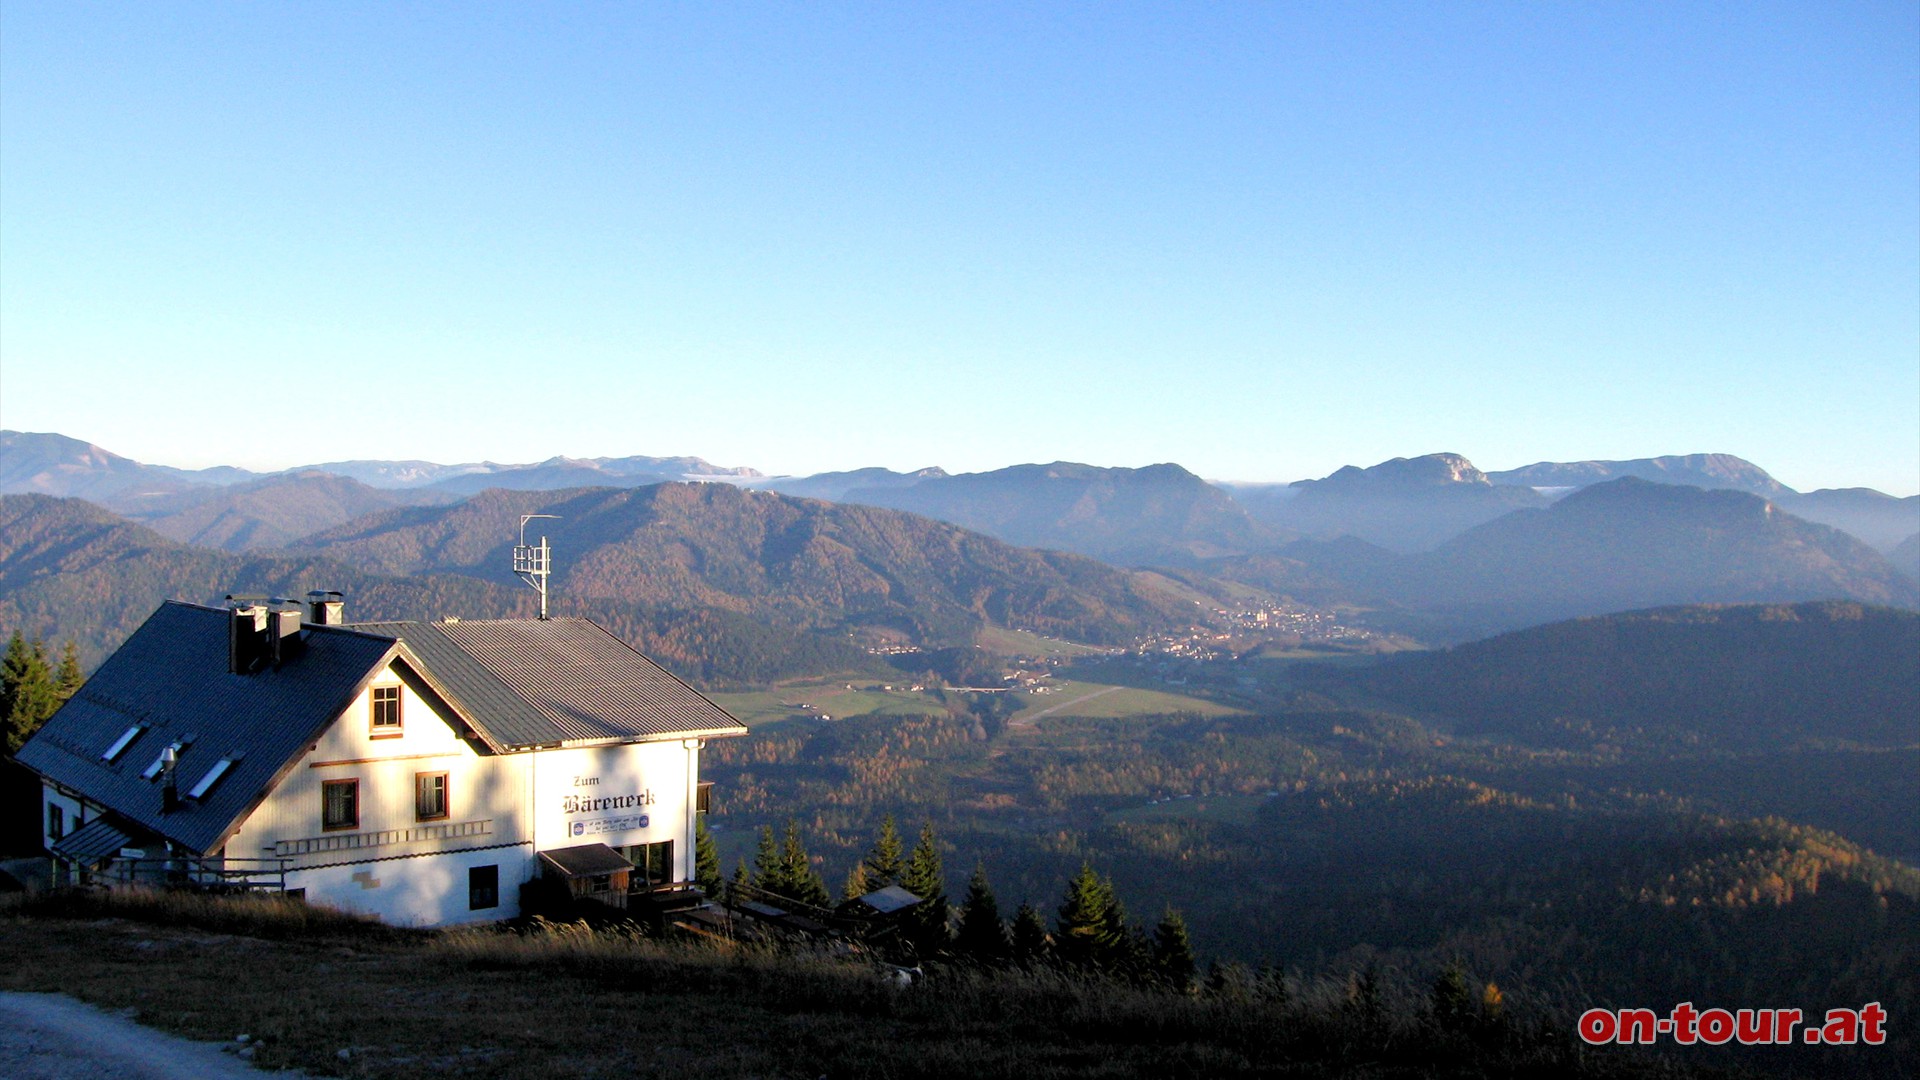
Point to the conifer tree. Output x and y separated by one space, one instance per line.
982 937
27 692
1173 964
706 858
766 861
1090 931
800 880
856 883
67 678
927 920
1031 943
883 863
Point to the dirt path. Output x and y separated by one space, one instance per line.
1027 721
53 1037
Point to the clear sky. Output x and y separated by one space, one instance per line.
1263 241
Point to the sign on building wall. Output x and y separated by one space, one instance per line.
615 795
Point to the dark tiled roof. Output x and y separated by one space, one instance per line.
527 682
520 683
171 676
586 860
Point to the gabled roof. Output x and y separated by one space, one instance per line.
526 682
516 683
170 679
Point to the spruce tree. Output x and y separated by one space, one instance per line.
766 862
856 884
982 937
706 858
1090 932
802 882
67 678
1173 964
27 692
1031 944
927 920
884 867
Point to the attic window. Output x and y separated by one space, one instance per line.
120 744
213 777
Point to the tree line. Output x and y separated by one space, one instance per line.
1090 934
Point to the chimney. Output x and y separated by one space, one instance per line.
283 635
170 791
326 608
246 637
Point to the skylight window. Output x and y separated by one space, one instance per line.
213 777
120 744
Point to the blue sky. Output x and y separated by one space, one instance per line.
1263 241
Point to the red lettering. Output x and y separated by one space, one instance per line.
1873 1020
1598 1026
1683 1020
1754 1026
1716 1026
1637 1026
1842 1027
1784 1021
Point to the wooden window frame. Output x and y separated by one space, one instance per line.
377 696
326 789
420 782
56 821
703 797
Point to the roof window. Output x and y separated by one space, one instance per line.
220 769
120 744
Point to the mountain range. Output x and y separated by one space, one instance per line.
1154 516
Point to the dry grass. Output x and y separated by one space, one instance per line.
561 1000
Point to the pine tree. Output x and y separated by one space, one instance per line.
982 937
927 920
1031 943
766 862
856 884
802 882
67 678
884 867
706 858
1173 964
1090 931
27 692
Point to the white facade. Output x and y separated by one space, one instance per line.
430 814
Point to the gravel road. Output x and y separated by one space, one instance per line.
53 1037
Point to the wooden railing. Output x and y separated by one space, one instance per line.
224 874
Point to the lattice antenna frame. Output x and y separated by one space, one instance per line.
534 562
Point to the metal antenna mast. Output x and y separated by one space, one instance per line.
534 564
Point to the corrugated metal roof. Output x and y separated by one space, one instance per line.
530 682
92 842
171 675
586 860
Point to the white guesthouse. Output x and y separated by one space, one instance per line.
420 772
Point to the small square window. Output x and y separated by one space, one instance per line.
483 887
430 796
340 804
386 711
